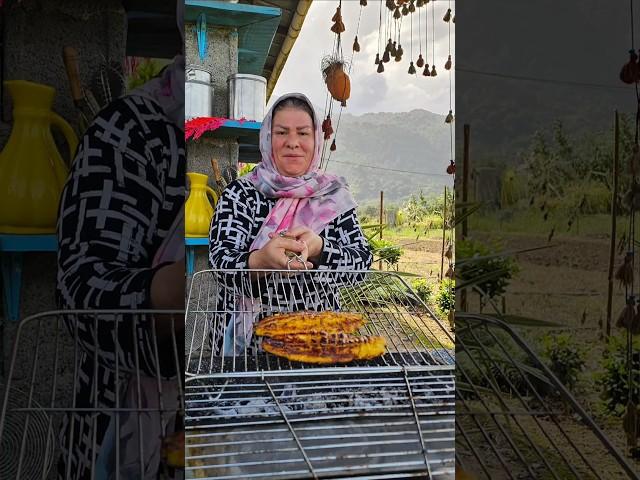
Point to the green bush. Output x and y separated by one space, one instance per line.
423 289
614 381
564 357
445 297
385 250
503 268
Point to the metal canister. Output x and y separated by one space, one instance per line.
198 94
247 96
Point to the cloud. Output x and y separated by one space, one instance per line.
392 91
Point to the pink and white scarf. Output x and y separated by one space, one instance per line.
312 200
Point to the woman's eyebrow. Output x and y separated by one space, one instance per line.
297 128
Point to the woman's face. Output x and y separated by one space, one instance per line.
292 141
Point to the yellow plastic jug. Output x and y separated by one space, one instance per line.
198 211
32 172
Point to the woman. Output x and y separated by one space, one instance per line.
286 214
121 240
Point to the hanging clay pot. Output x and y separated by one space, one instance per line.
426 72
624 273
412 7
356 45
447 66
449 118
447 16
397 13
337 17
629 72
405 10
377 59
451 168
420 62
333 146
386 57
338 27
390 5
412 69
380 67
393 49
363 3
338 82
626 316
433 70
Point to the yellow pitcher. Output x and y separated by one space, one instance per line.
32 172
198 211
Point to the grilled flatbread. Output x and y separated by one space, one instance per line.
325 348
304 322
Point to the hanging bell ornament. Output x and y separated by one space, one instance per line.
433 70
451 168
420 62
405 10
397 13
629 72
447 66
356 45
419 3
624 273
447 16
625 319
363 3
391 5
337 17
449 253
338 27
327 128
393 50
426 72
449 118
385 56
333 146
399 53
412 7
412 69
377 59
380 67
450 272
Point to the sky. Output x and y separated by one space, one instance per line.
392 91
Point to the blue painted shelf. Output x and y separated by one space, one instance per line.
191 243
256 26
12 247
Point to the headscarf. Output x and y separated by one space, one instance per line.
312 200
168 89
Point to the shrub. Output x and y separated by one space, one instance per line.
445 298
502 267
564 357
423 289
614 381
385 250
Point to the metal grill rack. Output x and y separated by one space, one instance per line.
44 375
250 414
515 420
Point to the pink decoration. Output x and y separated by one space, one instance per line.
196 127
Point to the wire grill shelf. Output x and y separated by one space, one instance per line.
250 414
39 400
514 419
223 304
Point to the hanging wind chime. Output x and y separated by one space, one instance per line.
451 168
629 318
334 74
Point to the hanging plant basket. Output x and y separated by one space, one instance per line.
337 80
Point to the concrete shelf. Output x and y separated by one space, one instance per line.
256 26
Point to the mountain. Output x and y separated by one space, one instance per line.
521 66
371 145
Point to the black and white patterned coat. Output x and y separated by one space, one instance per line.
239 214
124 191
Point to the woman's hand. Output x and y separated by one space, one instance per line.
273 255
314 242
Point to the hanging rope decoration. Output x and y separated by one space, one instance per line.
629 318
412 68
426 72
433 40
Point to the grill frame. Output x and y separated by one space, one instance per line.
49 386
526 434
409 362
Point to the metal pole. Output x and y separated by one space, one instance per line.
614 213
381 222
444 229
